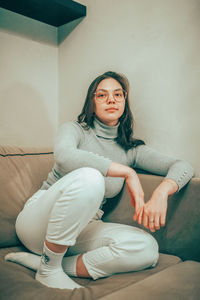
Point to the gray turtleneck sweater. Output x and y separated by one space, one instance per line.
76 147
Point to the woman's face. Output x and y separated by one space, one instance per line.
109 101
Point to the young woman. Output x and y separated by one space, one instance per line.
93 156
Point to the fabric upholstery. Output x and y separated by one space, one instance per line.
181 235
22 284
177 282
22 173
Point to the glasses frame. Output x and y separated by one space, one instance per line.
107 91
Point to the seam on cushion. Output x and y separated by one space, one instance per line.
25 154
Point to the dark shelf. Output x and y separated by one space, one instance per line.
52 12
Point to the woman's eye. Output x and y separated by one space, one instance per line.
118 95
101 95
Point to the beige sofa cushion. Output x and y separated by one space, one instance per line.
22 173
178 282
17 282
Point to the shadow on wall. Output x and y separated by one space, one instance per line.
24 119
33 29
65 30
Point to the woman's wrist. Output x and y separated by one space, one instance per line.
119 170
130 173
167 186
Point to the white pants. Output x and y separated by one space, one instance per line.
68 214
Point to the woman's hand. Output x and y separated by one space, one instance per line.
136 194
133 185
155 210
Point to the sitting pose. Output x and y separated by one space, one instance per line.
61 223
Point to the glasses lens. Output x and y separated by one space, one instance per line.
118 95
101 95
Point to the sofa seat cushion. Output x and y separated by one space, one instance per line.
17 282
178 282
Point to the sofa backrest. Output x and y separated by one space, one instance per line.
181 234
22 172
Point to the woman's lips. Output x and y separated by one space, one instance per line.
111 109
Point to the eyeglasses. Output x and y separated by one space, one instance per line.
102 95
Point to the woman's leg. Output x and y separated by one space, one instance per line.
110 248
106 249
58 216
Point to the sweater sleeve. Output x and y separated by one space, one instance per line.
67 155
157 163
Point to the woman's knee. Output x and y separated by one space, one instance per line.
87 184
138 251
126 253
150 251
93 177
92 182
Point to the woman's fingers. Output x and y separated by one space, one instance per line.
140 216
153 221
157 222
136 212
145 220
163 219
155 211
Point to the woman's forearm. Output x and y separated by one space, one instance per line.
119 170
133 185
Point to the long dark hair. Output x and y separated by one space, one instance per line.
125 129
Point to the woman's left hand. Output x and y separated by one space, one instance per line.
155 210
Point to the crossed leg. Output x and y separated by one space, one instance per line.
103 249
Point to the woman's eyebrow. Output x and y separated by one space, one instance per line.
119 89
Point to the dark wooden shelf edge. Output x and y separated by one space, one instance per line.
52 12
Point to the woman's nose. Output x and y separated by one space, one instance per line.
111 98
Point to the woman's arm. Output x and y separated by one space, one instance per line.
154 162
68 158
177 174
133 185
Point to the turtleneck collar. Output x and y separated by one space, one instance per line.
105 131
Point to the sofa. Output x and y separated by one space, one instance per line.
176 275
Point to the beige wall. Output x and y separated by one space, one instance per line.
29 81
156 44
